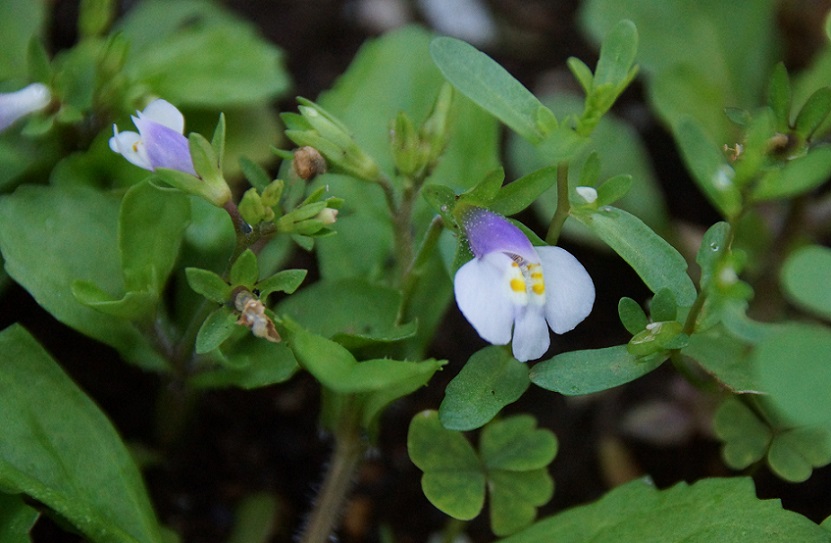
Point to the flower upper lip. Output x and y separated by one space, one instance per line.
160 141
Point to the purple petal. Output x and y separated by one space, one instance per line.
165 147
488 232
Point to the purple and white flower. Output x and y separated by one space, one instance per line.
160 141
512 290
14 105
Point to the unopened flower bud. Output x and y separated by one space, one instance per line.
14 105
308 163
328 216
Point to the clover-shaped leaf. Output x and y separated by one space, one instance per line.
795 453
511 464
515 444
791 453
745 437
453 480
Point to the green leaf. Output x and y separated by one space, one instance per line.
283 281
714 245
489 85
516 444
135 305
201 56
779 96
663 306
209 285
697 60
489 381
796 176
746 438
29 23
620 149
252 363
442 199
74 230
244 271
813 113
582 73
708 167
795 453
453 480
358 313
613 189
632 315
724 510
515 496
151 224
804 278
793 368
338 370
617 54
16 519
255 174
61 450
725 358
583 372
653 259
218 327
486 190
521 193
218 140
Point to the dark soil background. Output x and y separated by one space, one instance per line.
239 443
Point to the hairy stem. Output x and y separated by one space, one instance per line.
346 458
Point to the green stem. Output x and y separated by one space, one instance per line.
563 206
413 272
346 458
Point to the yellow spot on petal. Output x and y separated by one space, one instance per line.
538 288
517 285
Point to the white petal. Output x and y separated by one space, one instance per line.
129 145
569 290
480 294
531 338
165 113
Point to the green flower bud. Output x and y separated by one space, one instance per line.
272 193
319 129
435 131
406 146
251 207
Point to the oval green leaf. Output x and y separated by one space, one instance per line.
61 450
583 372
653 259
484 81
490 380
805 279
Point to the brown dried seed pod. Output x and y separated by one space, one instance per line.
308 163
